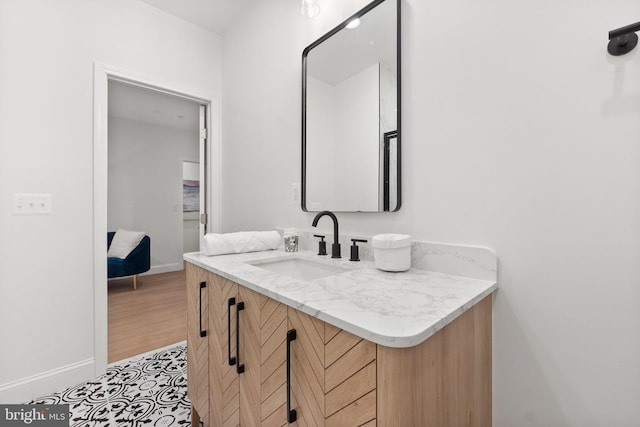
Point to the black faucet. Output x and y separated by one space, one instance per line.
335 246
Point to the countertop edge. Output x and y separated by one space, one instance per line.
384 340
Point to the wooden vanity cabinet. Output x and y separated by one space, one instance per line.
336 378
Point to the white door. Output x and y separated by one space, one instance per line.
190 206
204 153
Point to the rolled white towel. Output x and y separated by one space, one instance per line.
242 241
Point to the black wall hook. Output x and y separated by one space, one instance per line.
623 40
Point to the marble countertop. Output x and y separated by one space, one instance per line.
390 309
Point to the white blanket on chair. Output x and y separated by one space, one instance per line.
243 241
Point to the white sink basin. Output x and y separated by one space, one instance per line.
299 268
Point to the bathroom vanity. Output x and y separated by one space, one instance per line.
357 347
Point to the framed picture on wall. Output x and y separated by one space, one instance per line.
190 195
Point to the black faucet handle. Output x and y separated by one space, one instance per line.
355 256
322 245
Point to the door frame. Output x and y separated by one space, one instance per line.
102 74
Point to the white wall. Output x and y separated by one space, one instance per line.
47 52
521 134
145 185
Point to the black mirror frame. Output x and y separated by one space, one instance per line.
305 52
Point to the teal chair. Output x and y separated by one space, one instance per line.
138 261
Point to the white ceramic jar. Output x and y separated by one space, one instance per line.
392 252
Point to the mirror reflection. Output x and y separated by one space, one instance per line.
350 138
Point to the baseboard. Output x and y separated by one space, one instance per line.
39 385
166 268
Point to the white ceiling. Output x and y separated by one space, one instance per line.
137 103
214 15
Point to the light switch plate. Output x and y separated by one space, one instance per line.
31 204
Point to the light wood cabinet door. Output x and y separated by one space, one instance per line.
273 330
262 330
252 330
224 382
333 374
197 345
307 369
350 379
248 354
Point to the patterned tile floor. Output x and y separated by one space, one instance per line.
146 390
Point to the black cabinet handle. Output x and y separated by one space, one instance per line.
239 308
230 303
203 333
291 413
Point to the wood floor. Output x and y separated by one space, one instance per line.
150 317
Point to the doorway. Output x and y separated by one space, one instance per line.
208 158
152 135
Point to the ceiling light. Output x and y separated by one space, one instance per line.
309 8
353 24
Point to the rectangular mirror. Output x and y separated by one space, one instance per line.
351 114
